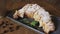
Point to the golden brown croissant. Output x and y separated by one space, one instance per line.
39 14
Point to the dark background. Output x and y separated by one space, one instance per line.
53 6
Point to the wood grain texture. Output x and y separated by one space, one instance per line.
50 5
45 4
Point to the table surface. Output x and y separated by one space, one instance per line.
50 5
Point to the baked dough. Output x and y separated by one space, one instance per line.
38 14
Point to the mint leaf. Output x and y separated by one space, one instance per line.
33 23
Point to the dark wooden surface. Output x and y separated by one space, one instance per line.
54 2
50 5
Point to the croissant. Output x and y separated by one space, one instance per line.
38 14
